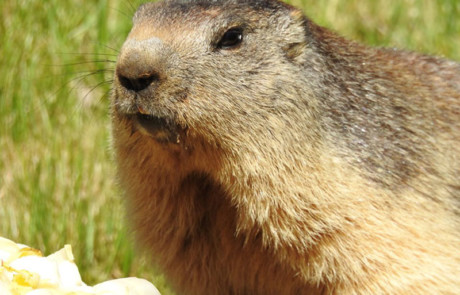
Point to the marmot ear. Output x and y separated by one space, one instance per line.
294 50
297 39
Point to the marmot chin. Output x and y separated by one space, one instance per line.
263 154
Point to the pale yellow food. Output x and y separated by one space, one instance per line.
25 271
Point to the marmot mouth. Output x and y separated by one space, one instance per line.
159 128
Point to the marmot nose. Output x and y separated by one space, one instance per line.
141 64
139 82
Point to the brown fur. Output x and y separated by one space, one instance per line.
295 163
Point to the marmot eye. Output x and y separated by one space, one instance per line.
232 38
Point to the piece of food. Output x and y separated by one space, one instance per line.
25 271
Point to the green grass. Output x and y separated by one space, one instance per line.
57 182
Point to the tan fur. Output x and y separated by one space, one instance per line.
295 163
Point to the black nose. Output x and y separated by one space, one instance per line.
142 64
137 83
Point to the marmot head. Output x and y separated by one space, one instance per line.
223 73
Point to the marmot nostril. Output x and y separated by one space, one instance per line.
137 83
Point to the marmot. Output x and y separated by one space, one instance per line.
264 154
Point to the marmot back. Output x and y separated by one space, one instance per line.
263 154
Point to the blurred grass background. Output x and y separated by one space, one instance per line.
57 179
